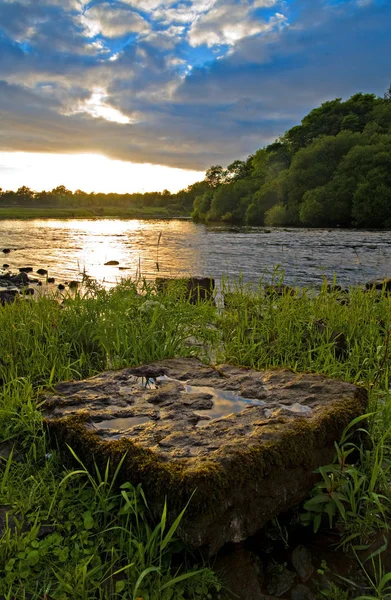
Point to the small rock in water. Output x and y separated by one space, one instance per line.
112 263
7 296
51 280
61 286
379 284
6 250
73 284
29 292
26 270
5 266
20 279
301 560
42 272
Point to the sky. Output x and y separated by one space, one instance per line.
131 95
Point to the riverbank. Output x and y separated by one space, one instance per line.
71 534
114 212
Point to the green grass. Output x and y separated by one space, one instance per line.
73 534
150 212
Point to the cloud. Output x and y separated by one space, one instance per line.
145 5
184 12
60 92
229 22
112 21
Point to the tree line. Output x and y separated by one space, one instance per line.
61 197
334 169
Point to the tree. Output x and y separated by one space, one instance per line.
61 191
276 216
202 206
215 176
25 194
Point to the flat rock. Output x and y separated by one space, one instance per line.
245 442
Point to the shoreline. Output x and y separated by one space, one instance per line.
85 213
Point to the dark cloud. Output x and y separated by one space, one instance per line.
55 66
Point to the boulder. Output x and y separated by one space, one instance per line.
20 280
7 296
245 442
195 289
73 285
112 263
26 270
379 284
6 250
42 272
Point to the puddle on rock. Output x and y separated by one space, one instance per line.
121 424
225 403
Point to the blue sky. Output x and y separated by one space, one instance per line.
185 84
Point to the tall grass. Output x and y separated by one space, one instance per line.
70 534
74 534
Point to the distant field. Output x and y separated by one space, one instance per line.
83 213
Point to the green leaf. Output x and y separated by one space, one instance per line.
33 558
316 500
120 585
63 556
142 577
88 520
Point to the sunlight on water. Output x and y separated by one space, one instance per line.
67 248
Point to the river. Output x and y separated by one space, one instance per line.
67 248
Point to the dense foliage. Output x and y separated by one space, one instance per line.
332 170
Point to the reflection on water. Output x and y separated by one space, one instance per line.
67 248
225 403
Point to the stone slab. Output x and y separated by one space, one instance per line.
245 441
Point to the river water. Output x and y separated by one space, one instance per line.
67 248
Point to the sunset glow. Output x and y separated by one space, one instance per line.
90 173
